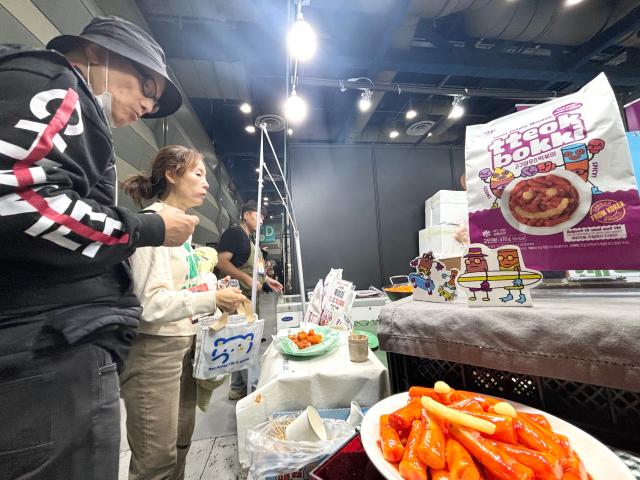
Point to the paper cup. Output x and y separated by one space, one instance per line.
307 427
358 348
355 415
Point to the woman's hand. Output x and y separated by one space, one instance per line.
229 299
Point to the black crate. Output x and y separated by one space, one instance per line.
611 415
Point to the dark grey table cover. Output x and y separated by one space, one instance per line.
586 336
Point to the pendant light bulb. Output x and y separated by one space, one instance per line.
295 108
411 113
302 40
394 133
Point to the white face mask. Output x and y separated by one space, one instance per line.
104 99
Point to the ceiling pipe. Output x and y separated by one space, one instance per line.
402 39
545 21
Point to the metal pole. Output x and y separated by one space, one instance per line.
285 224
303 298
165 131
286 187
254 282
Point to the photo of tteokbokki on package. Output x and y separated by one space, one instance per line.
557 181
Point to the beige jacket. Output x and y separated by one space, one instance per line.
159 275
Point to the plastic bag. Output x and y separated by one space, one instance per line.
230 345
271 455
556 180
331 301
337 302
314 309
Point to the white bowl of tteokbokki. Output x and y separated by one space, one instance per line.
445 434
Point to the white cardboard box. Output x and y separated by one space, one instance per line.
446 206
440 241
449 196
450 213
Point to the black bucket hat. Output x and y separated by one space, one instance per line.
132 42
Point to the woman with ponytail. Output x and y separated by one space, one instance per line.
158 385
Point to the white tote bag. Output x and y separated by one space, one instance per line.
228 345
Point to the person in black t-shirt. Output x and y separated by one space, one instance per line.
235 259
235 252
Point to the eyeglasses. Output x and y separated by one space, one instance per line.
148 86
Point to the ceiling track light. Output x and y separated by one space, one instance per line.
394 133
411 113
457 110
365 100
250 129
245 108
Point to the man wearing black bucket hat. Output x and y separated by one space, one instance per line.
67 313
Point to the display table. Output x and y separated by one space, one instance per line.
575 354
584 336
327 381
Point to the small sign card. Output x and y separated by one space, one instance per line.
431 281
496 277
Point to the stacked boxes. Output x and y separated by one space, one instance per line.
446 207
440 241
443 213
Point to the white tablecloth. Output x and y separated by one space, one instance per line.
327 381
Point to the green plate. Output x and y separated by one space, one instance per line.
373 339
329 338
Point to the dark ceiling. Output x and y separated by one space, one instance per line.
225 52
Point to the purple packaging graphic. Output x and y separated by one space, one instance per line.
556 180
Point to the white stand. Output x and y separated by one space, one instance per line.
296 234
288 206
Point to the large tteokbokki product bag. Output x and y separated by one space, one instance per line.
556 180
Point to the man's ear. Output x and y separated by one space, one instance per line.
94 53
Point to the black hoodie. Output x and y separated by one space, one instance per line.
62 239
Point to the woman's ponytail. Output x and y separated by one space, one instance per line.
139 188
